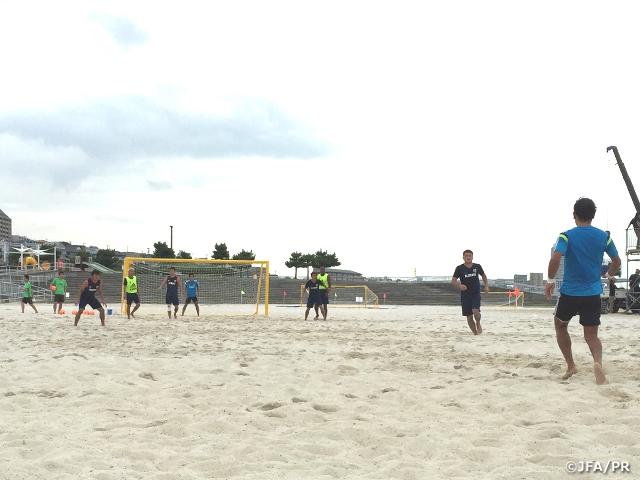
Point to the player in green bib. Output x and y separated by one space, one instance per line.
325 288
28 294
131 288
59 287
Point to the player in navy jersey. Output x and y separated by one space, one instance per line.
469 286
172 281
313 286
191 287
583 248
87 296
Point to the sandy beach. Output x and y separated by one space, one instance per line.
406 393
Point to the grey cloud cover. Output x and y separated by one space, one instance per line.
124 31
130 127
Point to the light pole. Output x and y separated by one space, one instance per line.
171 227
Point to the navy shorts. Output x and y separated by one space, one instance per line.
469 303
191 299
588 308
324 297
133 298
172 299
313 301
58 299
93 302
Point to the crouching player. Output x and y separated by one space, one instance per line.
87 296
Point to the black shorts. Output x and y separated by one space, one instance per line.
469 302
172 299
133 298
324 297
27 300
191 299
58 298
587 307
93 302
314 301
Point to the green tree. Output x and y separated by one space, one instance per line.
306 261
108 258
220 252
244 255
323 258
184 255
162 250
295 261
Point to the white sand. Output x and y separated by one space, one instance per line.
403 392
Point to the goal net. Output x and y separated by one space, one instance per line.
359 296
225 287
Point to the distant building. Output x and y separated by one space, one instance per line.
536 279
519 278
5 227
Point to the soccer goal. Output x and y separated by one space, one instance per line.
503 299
355 296
225 287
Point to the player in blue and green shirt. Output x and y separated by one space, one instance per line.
191 287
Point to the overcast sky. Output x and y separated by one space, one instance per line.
395 134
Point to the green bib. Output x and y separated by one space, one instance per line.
132 284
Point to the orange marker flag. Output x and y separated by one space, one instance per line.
510 293
516 291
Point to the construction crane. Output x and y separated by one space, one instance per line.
627 180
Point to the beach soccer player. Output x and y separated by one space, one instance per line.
172 281
130 283
583 248
315 300
59 287
191 287
87 296
325 287
27 294
469 286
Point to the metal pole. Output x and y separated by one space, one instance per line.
171 227
627 180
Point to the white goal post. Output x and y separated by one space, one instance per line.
225 287
353 296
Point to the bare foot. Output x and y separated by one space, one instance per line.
478 328
570 372
599 371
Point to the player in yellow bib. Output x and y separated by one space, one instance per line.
131 288
325 287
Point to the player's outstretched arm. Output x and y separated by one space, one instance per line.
162 284
84 285
104 304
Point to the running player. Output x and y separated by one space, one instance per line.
59 286
325 287
469 286
583 248
313 286
87 296
27 295
172 281
191 287
130 283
